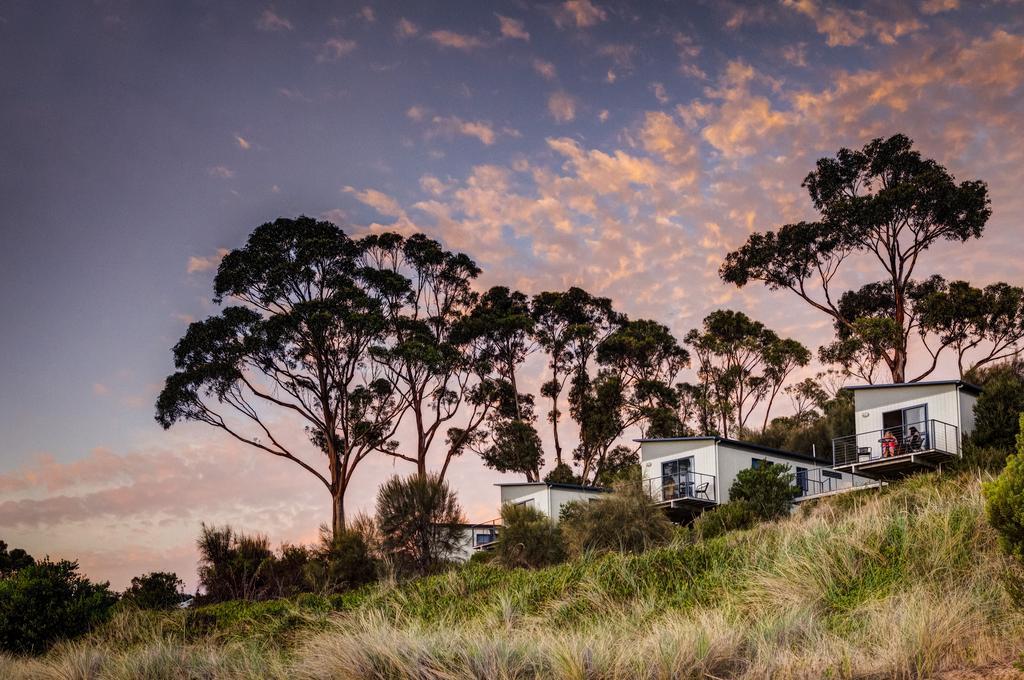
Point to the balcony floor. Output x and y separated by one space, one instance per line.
836 492
685 509
899 466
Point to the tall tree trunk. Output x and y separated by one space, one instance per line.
554 427
899 354
338 507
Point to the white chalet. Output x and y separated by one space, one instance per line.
688 475
906 427
548 497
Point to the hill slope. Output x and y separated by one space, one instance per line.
903 583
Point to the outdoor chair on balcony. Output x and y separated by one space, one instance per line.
701 490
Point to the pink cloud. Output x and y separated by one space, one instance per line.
269 20
197 264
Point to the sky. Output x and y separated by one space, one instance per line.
624 147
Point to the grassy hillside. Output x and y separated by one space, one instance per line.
903 583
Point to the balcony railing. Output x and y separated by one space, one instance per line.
821 481
682 486
927 436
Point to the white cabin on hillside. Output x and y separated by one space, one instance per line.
690 474
906 427
548 497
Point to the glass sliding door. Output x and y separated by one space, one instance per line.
909 427
677 478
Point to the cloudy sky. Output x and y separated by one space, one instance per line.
624 147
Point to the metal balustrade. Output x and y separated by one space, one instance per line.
682 486
927 436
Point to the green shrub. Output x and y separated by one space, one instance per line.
625 521
731 516
341 563
989 458
235 566
14 560
528 538
49 601
1004 498
562 474
999 405
767 490
420 522
156 590
482 557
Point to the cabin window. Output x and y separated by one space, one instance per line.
485 537
528 503
756 463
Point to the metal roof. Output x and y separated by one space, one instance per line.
557 485
966 386
741 444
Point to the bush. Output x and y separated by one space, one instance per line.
49 601
731 516
14 560
1004 498
341 563
528 538
420 522
156 590
813 434
999 406
235 566
562 474
767 490
482 557
626 521
990 458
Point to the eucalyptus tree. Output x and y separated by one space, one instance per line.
637 365
884 202
988 322
502 326
781 358
569 326
432 358
294 346
740 364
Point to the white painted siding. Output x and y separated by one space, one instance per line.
943 404
535 495
559 497
724 461
548 500
967 403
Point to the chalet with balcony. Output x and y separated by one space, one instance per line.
687 475
905 428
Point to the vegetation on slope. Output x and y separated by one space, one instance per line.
903 583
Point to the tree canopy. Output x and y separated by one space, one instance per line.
297 343
884 201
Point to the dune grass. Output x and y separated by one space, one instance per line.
902 583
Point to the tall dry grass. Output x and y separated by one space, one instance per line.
900 584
